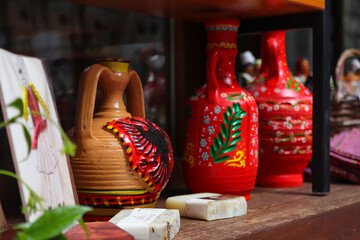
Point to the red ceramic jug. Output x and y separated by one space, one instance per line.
285 118
221 147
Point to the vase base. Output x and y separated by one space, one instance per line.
280 181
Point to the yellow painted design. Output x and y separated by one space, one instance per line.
129 150
119 200
237 161
94 202
115 192
106 203
132 201
39 98
116 66
222 44
188 157
146 178
109 126
116 130
25 104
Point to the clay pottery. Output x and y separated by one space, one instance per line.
221 147
112 167
285 118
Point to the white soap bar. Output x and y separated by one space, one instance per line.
148 223
208 206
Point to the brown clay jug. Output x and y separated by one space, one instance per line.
103 176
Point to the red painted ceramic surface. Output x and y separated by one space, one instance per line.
221 148
285 118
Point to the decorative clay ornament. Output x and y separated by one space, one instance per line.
285 118
122 159
221 148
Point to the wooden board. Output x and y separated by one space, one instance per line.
289 213
199 10
3 224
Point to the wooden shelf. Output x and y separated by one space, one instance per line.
287 213
199 10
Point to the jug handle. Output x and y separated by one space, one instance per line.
212 81
87 93
135 95
275 69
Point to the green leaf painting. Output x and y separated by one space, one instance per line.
229 135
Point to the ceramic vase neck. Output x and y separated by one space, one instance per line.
221 51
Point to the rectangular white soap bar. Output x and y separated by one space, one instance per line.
148 223
208 206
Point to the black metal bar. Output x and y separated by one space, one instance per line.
321 103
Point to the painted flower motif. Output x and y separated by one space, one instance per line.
277 140
306 108
261 106
263 89
211 130
293 140
275 127
206 119
288 118
276 148
217 110
224 95
256 94
253 141
276 90
297 108
205 156
304 139
269 109
254 117
278 133
203 142
276 107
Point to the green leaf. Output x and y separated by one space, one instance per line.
220 139
237 121
235 127
216 145
81 222
27 137
235 134
212 152
22 226
223 130
59 237
54 221
296 89
296 84
221 159
236 140
240 114
230 148
17 103
226 119
235 107
289 81
22 236
69 147
228 111
287 86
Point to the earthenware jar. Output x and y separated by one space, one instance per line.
113 168
221 147
285 118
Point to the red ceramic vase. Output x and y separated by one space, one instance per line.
285 118
221 148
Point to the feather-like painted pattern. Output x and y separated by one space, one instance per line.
148 150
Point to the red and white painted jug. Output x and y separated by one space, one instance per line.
221 148
285 118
